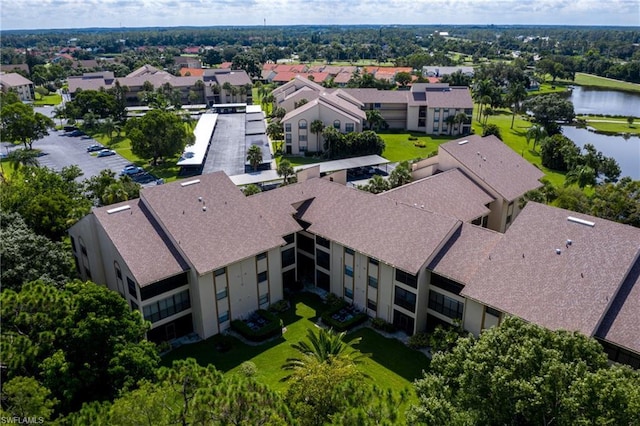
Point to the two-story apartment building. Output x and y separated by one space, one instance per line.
23 87
196 254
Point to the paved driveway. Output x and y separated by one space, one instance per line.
227 150
64 151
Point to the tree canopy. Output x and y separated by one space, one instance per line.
19 124
520 373
549 109
159 134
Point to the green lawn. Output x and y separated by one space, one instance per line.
612 124
398 147
605 83
392 365
51 99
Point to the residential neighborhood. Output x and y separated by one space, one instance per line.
350 224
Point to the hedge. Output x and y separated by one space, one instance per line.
357 319
271 329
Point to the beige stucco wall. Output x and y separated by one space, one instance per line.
472 321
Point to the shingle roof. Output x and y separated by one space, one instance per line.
228 231
451 193
620 323
455 97
524 276
494 163
147 251
13 80
400 235
463 254
370 96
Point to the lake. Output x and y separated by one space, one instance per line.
626 152
610 102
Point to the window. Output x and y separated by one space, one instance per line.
336 124
168 284
287 127
118 272
435 127
289 239
302 148
83 249
132 287
509 212
323 242
422 122
405 278
372 305
305 243
166 307
134 306
323 259
445 305
348 292
373 261
347 250
349 127
493 312
264 299
323 280
302 138
422 111
373 282
376 105
221 294
446 284
436 116
405 298
261 256
302 124
288 257
348 270
262 276
223 317
220 271
287 138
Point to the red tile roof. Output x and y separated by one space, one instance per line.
193 72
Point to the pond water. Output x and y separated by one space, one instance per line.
625 151
590 101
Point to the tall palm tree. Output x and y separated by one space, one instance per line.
375 120
254 156
285 169
324 346
460 119
515 95
316 127
536 132
450 120
482 89
23 157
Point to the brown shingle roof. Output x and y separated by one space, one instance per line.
451 193
146 250
620 324
491 161
370 96
228 231
524 276
455 97
463 254
13 80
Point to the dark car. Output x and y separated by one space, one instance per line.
76 133
95 147
70 128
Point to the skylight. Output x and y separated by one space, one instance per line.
191 182
119 209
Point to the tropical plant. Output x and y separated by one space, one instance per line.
254 156
285 169
251 189
516 93
316 127
536 132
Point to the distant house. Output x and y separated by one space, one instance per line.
22 69
438 71
424 108
22 86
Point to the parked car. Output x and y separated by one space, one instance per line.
70 128
131 169
106 153
95 147
76 133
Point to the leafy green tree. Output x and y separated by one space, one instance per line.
26 256
630 120
285 169
19 124
24 397
159 134
401 175
23 157
536 132
332 141
517 373
249 62
375 121
100 103
278 113
581 175
403 78
49 202
254 156
251 189
84 342
547 110
618 201
377 184
559 153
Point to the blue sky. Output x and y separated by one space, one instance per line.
38 14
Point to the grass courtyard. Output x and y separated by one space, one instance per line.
392 364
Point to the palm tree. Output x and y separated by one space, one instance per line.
376 185
460 119
450 120
285 169
487 112
108 127
254 156
59 113
375 120
324 346
515 95
317 126
23 157
536 132
482 89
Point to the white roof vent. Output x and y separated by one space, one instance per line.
581 221
191 182
463 142
119 209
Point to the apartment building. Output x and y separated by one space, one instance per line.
22 87
193 255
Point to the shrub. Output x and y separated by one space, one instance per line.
418 341
248 369
380 324
356 319
420 144
334 301
270 329
164 346
443 339
279 306
413 138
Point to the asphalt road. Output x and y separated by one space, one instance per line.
227 150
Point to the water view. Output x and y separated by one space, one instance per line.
626 151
